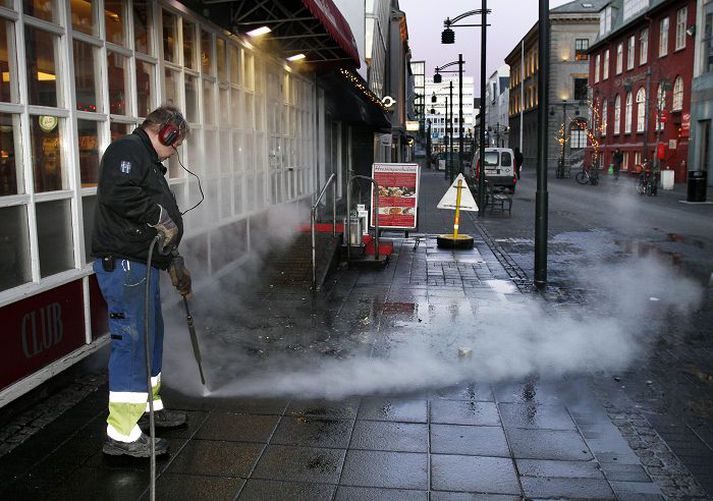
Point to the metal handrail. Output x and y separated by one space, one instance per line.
348 229
313 222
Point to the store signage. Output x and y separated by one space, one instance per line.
672 144
385 139
412 125
685 129
47 123
397 195
388 101
39 330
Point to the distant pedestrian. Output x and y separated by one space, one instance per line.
518 161
618 159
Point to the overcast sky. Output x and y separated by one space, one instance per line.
510 21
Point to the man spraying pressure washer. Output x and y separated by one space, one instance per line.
134 204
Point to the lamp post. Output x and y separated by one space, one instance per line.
560 172
541 202
448 37
437 78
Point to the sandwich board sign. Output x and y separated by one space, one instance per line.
397 195
467 202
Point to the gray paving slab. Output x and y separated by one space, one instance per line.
218 458
394 409
469 440
300 464
477 474
567 488
536 416
559 469
464 412
398 470
390 436
237 427
346 493
548 444
313 432
260 490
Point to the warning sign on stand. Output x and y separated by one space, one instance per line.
467 202
397 196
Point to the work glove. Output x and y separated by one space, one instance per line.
180 277
167 229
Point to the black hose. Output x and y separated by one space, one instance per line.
152 428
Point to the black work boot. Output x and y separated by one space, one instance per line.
164 419
140 448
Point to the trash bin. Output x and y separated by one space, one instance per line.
697 180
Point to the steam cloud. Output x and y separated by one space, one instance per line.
510 336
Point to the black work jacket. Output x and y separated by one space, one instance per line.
132 184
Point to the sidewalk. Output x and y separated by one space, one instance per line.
403 421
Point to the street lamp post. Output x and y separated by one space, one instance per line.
541 197
448 37
437 78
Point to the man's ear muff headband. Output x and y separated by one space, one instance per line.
169 132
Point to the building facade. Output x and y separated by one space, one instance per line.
497 101
641 69
266 134
436 110
573 27
700 154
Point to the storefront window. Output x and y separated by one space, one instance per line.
235 107
189 44
142 26
10 173
206 52
8 63
42 78
191 99
220 59
224 108
84 16
145 83
86 76
118 130
89 204
87 132
47 153
54 236
117 69
42 9
208 102
173 80
234 65
15 265
114 18
170 40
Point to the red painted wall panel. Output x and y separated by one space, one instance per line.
39 330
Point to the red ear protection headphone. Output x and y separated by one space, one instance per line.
169 132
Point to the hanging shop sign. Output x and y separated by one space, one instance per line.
397 195
47 123
388 101
685 129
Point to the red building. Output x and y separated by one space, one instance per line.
641 68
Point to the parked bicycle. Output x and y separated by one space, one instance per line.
588 175
648 180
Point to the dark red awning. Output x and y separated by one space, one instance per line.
336 25
315 28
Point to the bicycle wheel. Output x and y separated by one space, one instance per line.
582 177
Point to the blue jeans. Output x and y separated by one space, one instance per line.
124 290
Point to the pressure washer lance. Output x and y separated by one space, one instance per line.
194 339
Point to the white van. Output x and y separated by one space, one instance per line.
499 168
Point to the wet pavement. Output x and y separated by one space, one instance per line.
386 385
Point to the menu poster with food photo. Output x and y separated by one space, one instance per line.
397 195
